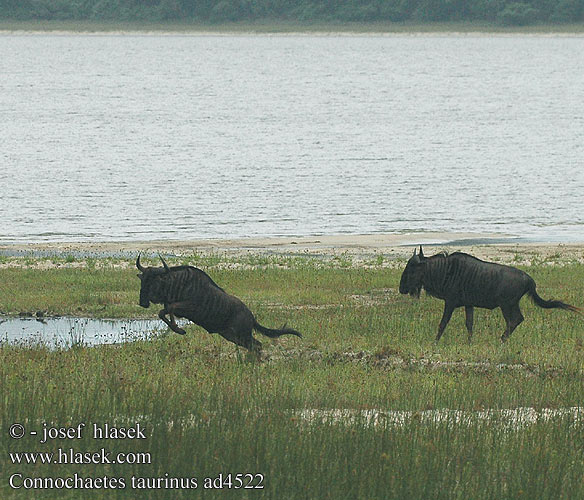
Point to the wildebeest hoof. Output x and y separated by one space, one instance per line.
180 331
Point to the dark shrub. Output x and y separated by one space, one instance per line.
517 14
568 11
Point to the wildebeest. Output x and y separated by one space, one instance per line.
463 280
189 292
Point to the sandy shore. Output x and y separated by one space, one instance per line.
489 246
210 31
332 33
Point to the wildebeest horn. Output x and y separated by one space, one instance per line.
421 253
415 252
138 265
164 264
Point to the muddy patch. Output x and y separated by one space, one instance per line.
282 351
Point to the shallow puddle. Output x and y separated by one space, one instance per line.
513 418
67 332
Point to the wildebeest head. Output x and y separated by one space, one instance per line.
411 279
151 289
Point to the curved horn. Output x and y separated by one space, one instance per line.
164 264
414 251
138 265
421 253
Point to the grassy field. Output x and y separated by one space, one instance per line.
208 408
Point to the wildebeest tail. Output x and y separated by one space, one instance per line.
273 333
550 304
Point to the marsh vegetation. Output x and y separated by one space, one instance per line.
210 408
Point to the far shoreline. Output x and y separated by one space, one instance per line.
358 246
280 28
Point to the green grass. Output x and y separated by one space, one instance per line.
209 408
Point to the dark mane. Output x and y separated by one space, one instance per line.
444 254
467 256
197 271
440 255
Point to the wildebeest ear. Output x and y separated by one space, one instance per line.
421 254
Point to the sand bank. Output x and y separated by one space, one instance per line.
364 245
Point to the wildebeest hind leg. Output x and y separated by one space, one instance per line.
469 312
513 318
244 339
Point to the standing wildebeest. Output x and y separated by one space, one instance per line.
463 280
188 292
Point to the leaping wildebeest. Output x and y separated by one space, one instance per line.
463 280
189 292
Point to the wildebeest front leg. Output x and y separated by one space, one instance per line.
448 308
469 312
170 322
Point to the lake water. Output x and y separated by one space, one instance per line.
182 137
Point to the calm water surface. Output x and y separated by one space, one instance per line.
181 137
67 332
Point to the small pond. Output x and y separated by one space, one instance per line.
65 332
